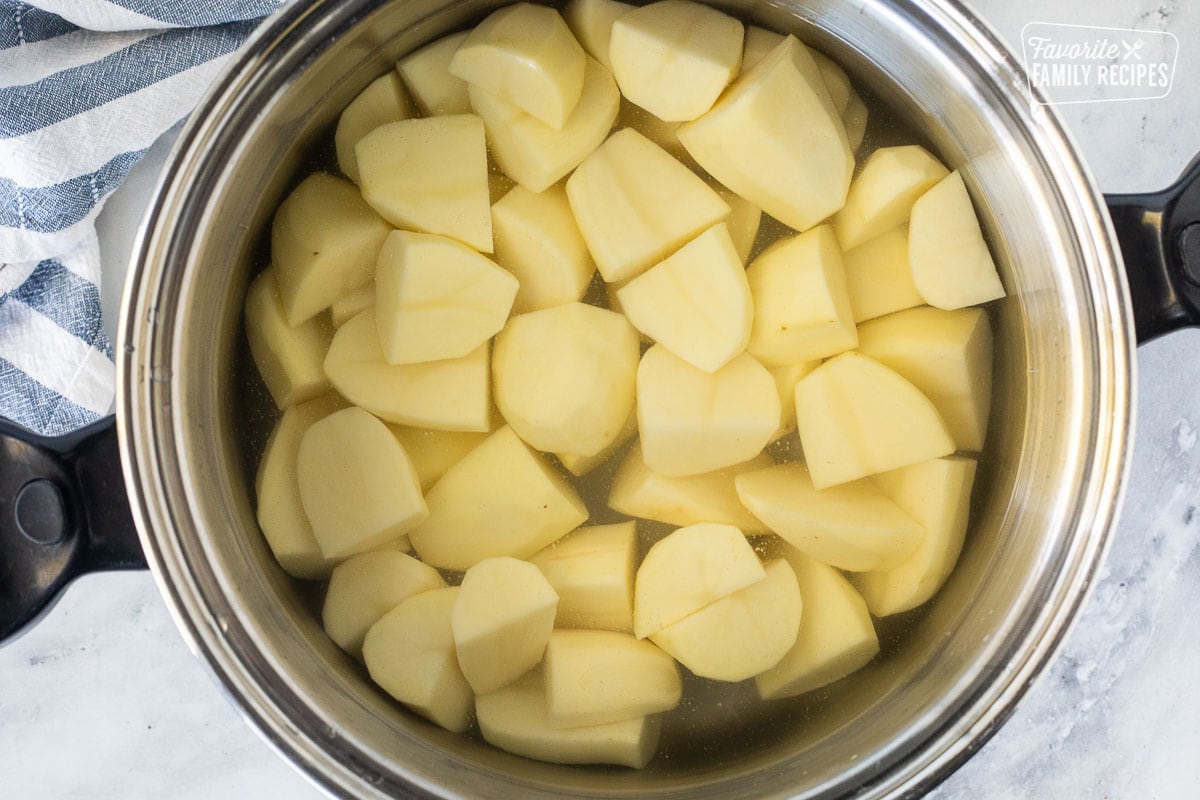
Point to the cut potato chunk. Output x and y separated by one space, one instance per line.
426 73
852 526
878 276
357 486
527 55
591 21
952 267
692 422
501 499
453 394
365 587
383 101
565 377
591 569
689 569
675 57
856 417
579 465
882 195
324 242
437 299
515 719
801 306
696 303
855 121
743 633
748 141
433 452
835 79
596 677
430 175
288 359
351 304
759 42
409 652
538 241
835 638
743 223
786 378
635 205
501 621
945 354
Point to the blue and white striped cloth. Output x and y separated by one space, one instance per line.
86 86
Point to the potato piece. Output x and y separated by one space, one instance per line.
835 79
801 307
591 21
689 569
451 395
855 121
945 354
527 55
288 359
635 205
878 277
786 378
675 57
743 633
357 486
748 139
579 465
564 377
501 621
437 299
856 417
882 195
952 267
365 587
515 719
759 42
596 677
835 638
591 569
692 422
852 526
383 101
501 499
324 242
538 241
430 175
352 304
426 73
743 223
409 652
432 452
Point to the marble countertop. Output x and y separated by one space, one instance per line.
103 699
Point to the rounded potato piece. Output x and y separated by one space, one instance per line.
351 304
288 359
882 196
591 21
383 101
592 571
426 73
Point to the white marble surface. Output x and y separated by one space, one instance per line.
103 700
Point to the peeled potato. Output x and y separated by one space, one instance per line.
426 73
835 79
855 121
288 359
579 465
759 42
786 378
591 21
351 304
882 195
879 278
383 101
591 569
743 223
432 452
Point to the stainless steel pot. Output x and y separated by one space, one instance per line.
1052 483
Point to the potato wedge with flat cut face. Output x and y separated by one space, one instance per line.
591 21
426 74
289 359
351 304
432 452
882 195
879 278
591 569
383 101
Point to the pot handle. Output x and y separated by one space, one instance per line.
63 513
1160 241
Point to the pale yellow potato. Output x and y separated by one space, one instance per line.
635 205
689 569
538 241
426 74
383 101
786 378
436 298
351 304
741 634
591 21
743 223
696 302
432 452
692 422
501 621
801 306
453 395
835 79
501 499
747 141
515 719
878 277
882 196
564 377
592 571
675 57
288 359
836 636
597 677
324 242
855 121
945 354
527 55
366 586
430 175
759 42
856 418
952 266
409 652
579 465
852 526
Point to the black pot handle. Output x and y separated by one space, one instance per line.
63 513
1160 241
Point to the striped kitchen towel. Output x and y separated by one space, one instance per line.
86 86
